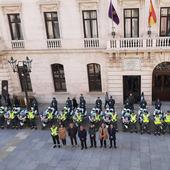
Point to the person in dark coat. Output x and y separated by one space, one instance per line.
111 103
143 104
131 101
158 104
106 100
72 132
8 101
75 104
112 135
82 133
99 103
54 104
34 104
69 103
92 134
82 104
16 102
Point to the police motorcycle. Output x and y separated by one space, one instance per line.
11 117
47 117
126 113
22 117
2 118
78 117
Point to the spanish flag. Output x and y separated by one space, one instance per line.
152 15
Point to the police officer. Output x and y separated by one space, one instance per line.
69 104
13 119
50 116
143 104
92 134
54 104
54 135
78 117
2 118
34 104
167 122
99 103
31 119
145 122
114 118
111 103
82 104
158 104
112 135
158 124
82 133
133 122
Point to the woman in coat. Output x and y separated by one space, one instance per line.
103 135
62 134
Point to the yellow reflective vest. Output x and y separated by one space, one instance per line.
97 118
133 118
54 131
146 118
114 117
79 118
63 116
157 120
11 115
31 115
167 118
50 115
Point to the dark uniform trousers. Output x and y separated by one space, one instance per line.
93 140
73 140
112 140
56 138
83 143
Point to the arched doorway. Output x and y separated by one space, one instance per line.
161 82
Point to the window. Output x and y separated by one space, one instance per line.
15 26
52 25
94 77
90 24
25 82
131 23
58 77
165 22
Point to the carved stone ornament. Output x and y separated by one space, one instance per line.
88 4
47 6
164 2
125 3
11 9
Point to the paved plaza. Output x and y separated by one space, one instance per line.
32 150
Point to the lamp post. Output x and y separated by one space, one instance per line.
24 67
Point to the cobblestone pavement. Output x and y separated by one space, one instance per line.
32 150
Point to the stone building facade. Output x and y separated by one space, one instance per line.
74 52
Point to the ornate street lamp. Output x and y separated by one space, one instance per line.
24 68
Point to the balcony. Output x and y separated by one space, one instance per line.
54 43
91 43
17 44
131 44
